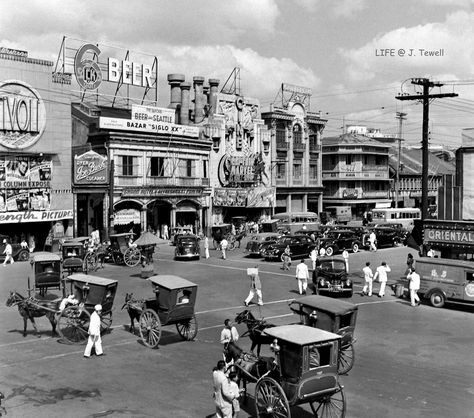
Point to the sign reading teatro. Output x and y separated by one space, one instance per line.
90 168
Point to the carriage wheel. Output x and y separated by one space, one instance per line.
333 405
270 400
131 257
150 328
188 329
231 240
105 322
73 325
346 359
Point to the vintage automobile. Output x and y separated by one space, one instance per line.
308 232
385 237
187 246
258 242
399 228
338 239
18 253
300 246
179 230
330 277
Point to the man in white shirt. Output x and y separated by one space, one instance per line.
94 333
302 275
224 244
368 276
381 273
414 279
8 251
345 255
372 240
229 333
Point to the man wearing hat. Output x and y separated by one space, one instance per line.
94 333
8 251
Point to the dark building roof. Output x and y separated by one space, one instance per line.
352 139
411 160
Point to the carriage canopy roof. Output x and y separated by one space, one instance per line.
300 334
326 304
87 278
44 256
124 234
171 282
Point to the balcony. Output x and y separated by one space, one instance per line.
161 181
314 148
357 193
299 146
282 145
360 175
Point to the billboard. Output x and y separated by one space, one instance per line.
90 168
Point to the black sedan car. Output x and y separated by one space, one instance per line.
300 246
330 277
187 246
258 242
335 241
385 237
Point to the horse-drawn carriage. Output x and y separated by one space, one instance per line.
71 315
331 315
46 271
219 232
122 250
73 253
304 370
173 303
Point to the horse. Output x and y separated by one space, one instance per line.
134 309
31 308
240 236
248 365
255 328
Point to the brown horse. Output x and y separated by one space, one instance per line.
255 328
31 308
134 309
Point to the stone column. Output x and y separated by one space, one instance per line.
213 84
175 80
198 99
184 110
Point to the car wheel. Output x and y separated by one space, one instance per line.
355 247
329 251
23 256
396 242
437 299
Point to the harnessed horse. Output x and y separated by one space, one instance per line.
31 308
134 309
255 327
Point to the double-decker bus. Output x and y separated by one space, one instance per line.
294 221
403 216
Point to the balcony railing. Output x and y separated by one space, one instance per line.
281 145
162 181
299 146
314 148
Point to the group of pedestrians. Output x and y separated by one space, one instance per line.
226 391
370 277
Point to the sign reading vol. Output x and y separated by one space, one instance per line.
22 115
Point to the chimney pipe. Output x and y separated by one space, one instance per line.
184 109
198 99
174 80
213 84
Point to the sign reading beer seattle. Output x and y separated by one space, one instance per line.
22 115
90 168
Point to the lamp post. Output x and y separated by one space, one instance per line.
401 117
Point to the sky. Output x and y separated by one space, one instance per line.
356 56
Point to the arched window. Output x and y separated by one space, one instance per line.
297 134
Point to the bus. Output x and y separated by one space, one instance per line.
294 221
403 216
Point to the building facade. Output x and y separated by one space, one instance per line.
356 173
36 201
295 138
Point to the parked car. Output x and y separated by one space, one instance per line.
308 232
338 239
179 230
300 246
330 277
398 227
18 253
187 246
258 242
385 237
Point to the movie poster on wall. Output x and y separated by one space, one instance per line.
39 199
3 201
2 171
17 200
17 169
40 169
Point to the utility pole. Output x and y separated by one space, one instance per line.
425 97
401 117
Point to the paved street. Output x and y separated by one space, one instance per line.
410 362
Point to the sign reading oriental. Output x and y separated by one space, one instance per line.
90 168
449 236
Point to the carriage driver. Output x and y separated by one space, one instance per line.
229 333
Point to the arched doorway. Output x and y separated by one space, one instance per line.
187 214
127 216
158 215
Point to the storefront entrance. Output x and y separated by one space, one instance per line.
158 215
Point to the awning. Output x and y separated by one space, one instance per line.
126 216
34 216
